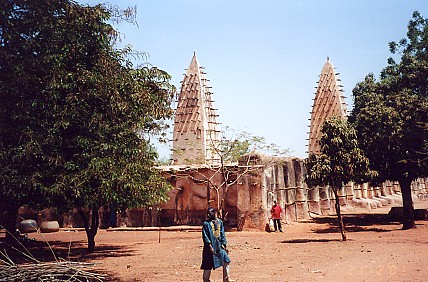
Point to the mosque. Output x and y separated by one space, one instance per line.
245 191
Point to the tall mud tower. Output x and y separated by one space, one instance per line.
329 102
195 126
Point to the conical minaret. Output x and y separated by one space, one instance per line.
329 101
195 125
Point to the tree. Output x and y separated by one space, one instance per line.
239 147
391 116
234 152
77 113
339 162
25 64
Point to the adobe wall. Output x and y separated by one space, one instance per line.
193 193
280 181
248 200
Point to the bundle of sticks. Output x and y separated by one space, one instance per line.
49 271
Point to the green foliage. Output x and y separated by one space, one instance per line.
235 144
391 114
75 114
341 160
28 60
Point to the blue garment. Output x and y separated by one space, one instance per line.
213 234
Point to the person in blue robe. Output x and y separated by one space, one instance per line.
214 253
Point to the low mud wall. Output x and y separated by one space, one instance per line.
247 201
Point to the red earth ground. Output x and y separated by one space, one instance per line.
376 249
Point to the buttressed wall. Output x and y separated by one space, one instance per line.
250 199
193 193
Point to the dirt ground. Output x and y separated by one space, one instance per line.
376 250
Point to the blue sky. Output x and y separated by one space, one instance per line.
263 58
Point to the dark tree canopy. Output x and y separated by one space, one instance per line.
391 114
75 114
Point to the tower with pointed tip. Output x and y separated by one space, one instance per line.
329 101
195 125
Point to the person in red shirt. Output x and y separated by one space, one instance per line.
276 216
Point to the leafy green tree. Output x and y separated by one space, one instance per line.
339 162
77 114
26 59
391 115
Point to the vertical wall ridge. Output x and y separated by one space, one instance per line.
195 124
328 102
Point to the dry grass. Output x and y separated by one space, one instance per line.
35 270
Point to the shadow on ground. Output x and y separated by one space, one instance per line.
55 250
357 223
30 251
301 241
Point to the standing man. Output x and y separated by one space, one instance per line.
215 252
276 216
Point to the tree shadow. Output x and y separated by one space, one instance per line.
31 251
56 250
335 229
301 241
357 223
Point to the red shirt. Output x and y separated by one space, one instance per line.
276 212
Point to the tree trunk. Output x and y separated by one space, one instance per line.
223 192
91 231
408 210
339 214
9 213
208 194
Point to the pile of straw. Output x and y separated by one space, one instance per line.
36 270
49 271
